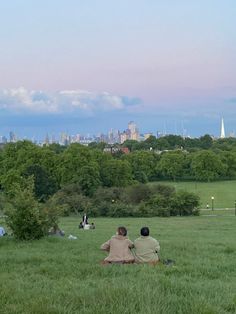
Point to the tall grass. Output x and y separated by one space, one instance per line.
58 275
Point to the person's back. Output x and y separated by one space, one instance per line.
146 248
119 248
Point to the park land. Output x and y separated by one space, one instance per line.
58 275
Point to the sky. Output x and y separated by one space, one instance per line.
85 66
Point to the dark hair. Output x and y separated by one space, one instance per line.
144 231
122 231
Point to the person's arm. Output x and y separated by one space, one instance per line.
106 246
131 245
157 247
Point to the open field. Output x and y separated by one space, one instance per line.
224 192
57 275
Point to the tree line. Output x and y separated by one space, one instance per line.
55 166
38 184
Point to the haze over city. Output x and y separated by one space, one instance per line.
89 66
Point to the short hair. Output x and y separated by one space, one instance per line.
144 231
122 231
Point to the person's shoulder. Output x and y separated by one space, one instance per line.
153 239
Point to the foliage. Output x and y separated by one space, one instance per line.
44 185
207 166
89 178
184 204
137 193
71 199
171 165
116 173
25 216
143 165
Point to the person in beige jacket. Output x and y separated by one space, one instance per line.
119 248
146 248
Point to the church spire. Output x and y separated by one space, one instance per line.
222 131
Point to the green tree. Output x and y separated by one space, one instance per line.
116 173
207 166
205 141
89 178
44 185
172 165
143 165
70 199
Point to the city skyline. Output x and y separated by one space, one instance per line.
88 66
112 136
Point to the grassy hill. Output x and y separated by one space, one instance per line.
224 192
58 275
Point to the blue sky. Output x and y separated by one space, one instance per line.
84 66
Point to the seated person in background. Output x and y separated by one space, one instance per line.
146 248
119 248
2 231
92 226
85 220
55 230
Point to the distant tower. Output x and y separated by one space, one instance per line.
222 131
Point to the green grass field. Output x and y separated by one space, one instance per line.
58 275
224 192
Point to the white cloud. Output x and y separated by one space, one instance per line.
23 100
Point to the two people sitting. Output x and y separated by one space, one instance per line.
121 250
84 224
56 231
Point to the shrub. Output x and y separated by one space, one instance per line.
137 193
157 206
120 210
25 216
108 195
184 203
163 189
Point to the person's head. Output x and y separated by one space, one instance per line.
144 232
122 231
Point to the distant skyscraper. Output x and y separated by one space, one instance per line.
12 137
222 131
133 131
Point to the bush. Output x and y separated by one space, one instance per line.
108 195
25 216
165 190
156 206
121 210
184 203
137 193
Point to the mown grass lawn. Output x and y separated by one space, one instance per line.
224 192
58 275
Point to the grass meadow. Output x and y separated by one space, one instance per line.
224 192
58 275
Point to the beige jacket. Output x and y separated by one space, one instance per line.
119 249
146 250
